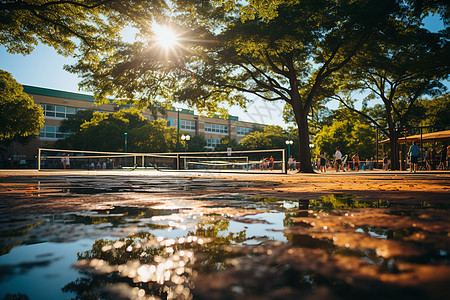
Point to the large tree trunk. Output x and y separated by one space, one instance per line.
393 136
393 142
303 138
395 159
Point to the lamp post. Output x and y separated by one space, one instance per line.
126 135
185 139
289 143
178 127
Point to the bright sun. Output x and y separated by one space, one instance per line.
164 36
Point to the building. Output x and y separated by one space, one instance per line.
59 105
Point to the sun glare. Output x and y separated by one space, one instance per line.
164 36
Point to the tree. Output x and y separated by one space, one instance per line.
273 137
63 24
73 123
351 137
154 136
226 142
106 132
19 116
197 143
224 55
409 64
433 112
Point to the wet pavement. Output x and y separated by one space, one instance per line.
66 236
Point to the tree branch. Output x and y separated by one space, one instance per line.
373 121
22 5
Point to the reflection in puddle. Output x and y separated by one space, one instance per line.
225 246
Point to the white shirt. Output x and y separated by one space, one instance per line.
338 155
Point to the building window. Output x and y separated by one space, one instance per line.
56 111
243 130
212 143
52 132
187 125
216 128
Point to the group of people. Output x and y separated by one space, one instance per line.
65 161
429 158
340 162
267 162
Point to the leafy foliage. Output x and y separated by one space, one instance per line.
351 137
64 24
106 132
19 116
275 50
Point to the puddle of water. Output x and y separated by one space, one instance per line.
226 246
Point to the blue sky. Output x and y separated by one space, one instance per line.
44 68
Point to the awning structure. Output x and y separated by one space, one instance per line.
426 137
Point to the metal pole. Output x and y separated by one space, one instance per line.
126 134
289 150
284 169
178 129
376 138
39 159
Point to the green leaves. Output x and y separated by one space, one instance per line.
106 131
19 116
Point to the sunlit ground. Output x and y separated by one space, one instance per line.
203 237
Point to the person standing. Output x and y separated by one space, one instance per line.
448 157
338 160
271 162
433 158
323 161
67 162
385 163
414 156
63 160
356 162
443 158
290 163
428 159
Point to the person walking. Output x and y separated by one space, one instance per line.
442 154
338 160
323 161
413 157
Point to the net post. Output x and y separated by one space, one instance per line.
284 168
178 162
39 159
143 163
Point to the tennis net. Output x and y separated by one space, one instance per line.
272 160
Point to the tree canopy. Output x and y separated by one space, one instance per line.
224 55
20 117
106 132
408 64
64 24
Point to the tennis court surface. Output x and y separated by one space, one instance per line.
180 235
